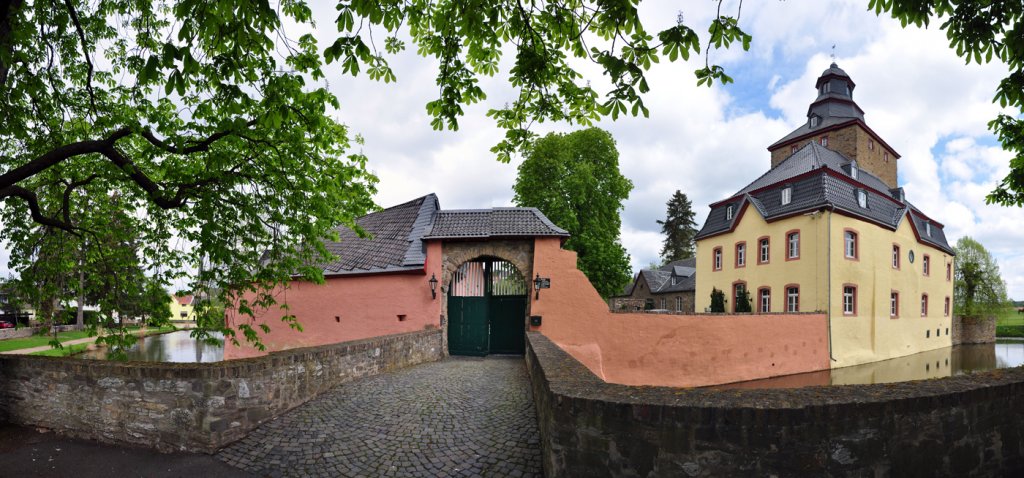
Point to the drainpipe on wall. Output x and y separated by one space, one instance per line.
832 209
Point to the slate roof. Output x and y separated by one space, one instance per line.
821 178
395 244
660 280
397 234
495 222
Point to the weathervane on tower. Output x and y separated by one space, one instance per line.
833 53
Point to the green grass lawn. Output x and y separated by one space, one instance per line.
40 340
1009 316
64 352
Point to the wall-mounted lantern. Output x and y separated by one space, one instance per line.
433 286
541 283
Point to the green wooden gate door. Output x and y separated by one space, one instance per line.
487 309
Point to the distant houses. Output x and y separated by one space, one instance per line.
668 288
183 307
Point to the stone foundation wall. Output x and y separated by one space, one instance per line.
970 330
968 425
193 407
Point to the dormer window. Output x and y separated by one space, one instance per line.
853 170
728 213
814 121
862 198
928 229
787 195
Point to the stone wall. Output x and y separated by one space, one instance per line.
970 330
193 407
968 425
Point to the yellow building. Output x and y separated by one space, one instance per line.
826 229
182 307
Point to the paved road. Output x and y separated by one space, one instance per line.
457 417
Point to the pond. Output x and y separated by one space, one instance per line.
944 362
170 347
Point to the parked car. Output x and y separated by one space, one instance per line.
6 325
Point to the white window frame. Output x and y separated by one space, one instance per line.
862 198
849 300
718 258
895 256
764 246
824 141
741 254
787 195
728 213
764 300
793 239
679 304
926 265
850 238
894 304
924 305
792 299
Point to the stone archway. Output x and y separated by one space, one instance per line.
518 252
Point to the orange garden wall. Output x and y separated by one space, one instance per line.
669 350
366 306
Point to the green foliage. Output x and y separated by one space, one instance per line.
979 290
213 131
743 301
141 142
63 351
679 229
1010 331
574 180
980 32
717 301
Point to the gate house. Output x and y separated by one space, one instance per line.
465 271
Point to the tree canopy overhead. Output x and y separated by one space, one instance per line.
980 32
213 126
574 180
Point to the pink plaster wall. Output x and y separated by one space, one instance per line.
669 350
368 306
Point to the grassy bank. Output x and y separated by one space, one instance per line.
40 340
63 352
64 337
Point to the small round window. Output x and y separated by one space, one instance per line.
911 257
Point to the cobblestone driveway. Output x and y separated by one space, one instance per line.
458 417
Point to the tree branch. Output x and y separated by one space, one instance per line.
33 205
85 53
58 155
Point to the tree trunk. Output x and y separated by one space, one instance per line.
80 315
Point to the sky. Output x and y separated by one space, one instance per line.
710 142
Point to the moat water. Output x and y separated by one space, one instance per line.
946 362
175 346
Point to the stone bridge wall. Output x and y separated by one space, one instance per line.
194 407
968 425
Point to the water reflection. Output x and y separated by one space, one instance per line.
170 347
944 362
